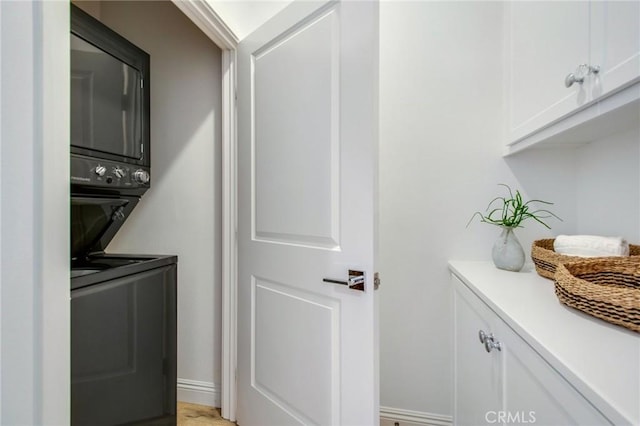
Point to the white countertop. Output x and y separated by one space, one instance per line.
601 360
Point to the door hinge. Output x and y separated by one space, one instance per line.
376 281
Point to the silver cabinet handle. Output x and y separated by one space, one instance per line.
489 341
580 73
354 282
572 78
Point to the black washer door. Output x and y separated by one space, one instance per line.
95 221
123 349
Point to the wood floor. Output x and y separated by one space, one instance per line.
199 415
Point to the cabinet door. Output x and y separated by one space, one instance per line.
512 385
545 42
615 44
478 374
535 393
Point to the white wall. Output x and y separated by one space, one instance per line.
608 186
440 111
441 159
181 213
441 118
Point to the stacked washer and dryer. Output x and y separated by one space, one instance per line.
123 306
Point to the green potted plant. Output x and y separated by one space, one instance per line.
508 213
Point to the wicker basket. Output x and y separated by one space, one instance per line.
607 289
546 260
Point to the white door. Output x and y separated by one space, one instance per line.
307 155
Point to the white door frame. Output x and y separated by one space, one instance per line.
34 213
203 15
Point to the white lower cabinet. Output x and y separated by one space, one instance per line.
478 374
505 381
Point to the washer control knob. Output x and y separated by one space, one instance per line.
118 172
141 176
100 170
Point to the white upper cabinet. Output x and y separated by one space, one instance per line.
615 44
547 41
561 60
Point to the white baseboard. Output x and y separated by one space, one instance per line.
206 393
389 416
196 392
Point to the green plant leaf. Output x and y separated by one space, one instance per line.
512 211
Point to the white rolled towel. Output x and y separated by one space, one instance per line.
590 246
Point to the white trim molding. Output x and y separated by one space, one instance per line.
389 415
55 247
197 392
209 22
229 232
34 266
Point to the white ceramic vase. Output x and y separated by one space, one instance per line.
507 252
